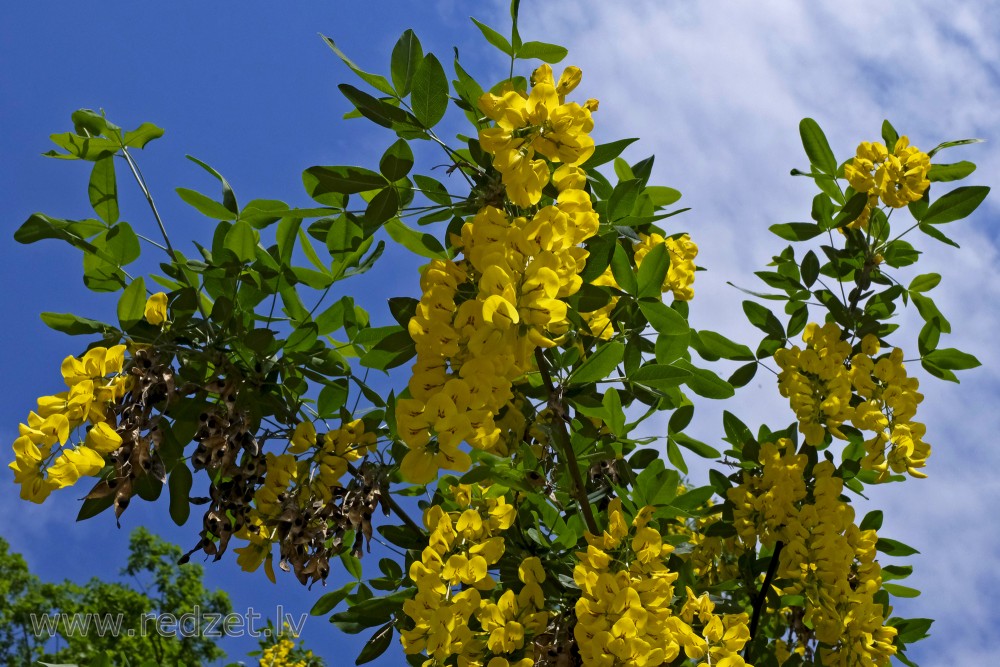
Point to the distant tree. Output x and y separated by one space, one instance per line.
30 607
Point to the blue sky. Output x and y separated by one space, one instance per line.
716 90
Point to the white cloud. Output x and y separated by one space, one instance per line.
716 90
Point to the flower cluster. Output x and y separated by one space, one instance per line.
679 280
827 387
541 123
897 178
816 381
285 652
95 383
624 615
765 504
825 558
450 614
480 319
889 404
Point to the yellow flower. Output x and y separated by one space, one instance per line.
156 309
303 438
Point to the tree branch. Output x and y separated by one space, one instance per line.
758 605
565 446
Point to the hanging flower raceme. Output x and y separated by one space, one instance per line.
514 274
890 400
624 614
541 123
457 610
43 461
816 381
825 558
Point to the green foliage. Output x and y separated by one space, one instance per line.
263 342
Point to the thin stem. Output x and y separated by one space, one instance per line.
566 447
758 605
163 230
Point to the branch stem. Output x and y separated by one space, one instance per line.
565 446
758 605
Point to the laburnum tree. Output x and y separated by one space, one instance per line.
528 520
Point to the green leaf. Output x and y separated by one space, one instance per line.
228 196
406 55
598 366
817 147
659 377
680 418
621 269
132 303
796 231
549 53
392 351
495 38
342 180
696 446
764 319
936 234
420 243
329 601
121 245
605 153
675 456
376 645
925 282
40 226
889 135
950 172
950 144
206 205
910 630
142 135
180 490
332 398
352 564
374 80
899 591
712 346
951 359
872 520
894 548
704 382
433 189
83 148
429 97
851 210
653 271
242 240
378 111
103 189
383 206
810 268
397 161
623 198
74 325
741 376
612 403
955 205
660 195
663 318
94 506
